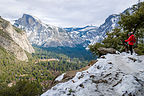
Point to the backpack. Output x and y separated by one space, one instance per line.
133 39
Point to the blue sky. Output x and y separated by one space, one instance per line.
65 13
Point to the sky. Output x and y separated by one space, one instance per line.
65 13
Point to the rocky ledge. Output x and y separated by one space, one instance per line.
112 75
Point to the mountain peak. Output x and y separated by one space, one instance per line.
27 20
42 34
28 16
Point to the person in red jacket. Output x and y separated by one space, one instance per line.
131 40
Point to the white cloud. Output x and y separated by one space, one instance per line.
65 12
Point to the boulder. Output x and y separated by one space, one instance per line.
104 51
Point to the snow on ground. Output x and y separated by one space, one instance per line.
59 78
115 75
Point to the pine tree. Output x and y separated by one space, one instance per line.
135 22
130 21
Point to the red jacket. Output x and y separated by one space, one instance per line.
131 40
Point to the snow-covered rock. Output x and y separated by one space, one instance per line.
59 78
114 75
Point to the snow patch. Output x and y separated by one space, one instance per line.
129 85
59 78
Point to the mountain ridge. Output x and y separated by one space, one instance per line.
42 34
46 35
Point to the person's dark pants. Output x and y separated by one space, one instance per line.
131 49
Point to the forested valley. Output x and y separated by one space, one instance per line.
42 67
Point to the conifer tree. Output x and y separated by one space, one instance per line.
130 21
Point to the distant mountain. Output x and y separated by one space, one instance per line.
14 41
51 36
94 34
110 23
43 34
82 35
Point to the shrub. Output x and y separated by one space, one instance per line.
22 88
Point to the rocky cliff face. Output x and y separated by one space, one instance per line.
42 34
112 75
14 40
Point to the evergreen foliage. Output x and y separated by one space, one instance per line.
22 88
93 48
115 40
35 70
133 21
73 52
130 21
